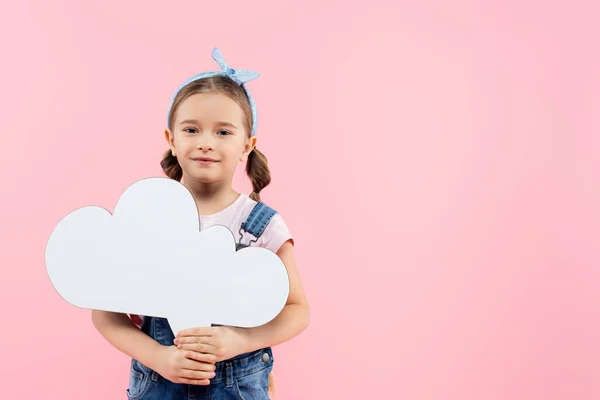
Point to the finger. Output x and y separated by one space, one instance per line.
191 339
208 340
196 375
205 358
199 366
198 347
203 382
203 331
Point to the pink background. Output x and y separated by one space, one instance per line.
437 163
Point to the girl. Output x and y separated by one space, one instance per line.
211 129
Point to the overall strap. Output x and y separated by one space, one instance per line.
256 222
258 219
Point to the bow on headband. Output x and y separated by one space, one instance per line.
239 76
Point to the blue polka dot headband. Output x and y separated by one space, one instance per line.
239 76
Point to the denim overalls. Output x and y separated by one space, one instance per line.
244 377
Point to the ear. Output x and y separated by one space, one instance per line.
170 140
249 146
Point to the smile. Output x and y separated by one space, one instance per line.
205 161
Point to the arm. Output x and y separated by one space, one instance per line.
168 361
122 333
293 318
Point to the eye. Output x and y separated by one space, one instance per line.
190 130
223 132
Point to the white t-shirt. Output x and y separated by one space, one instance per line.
275 234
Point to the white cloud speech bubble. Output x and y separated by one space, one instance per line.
150 258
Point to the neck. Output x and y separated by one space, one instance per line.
211 197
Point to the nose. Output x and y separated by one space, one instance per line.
205 142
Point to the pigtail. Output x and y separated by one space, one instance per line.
271 387
171 166
257 170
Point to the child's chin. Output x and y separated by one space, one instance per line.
205 178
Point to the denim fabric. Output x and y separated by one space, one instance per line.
244 377
256 223
258 219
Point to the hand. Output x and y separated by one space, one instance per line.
182 366
222 342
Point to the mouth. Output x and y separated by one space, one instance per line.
205 160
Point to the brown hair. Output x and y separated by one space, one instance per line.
257 167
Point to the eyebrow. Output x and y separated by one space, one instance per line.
220 123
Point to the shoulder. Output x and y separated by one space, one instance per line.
260 210
276 234
276 231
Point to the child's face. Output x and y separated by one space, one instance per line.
209 126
